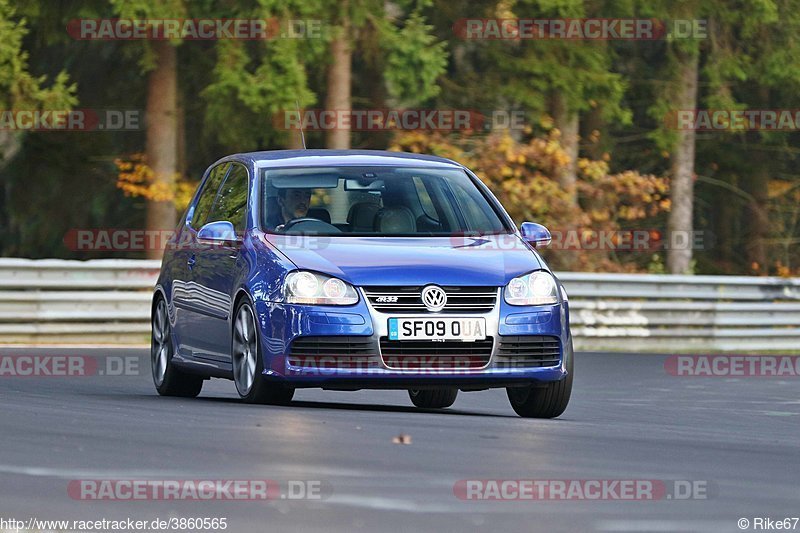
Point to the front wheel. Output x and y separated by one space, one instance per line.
434 398
547 401
169 380
248 362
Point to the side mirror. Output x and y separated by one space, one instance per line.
536 234
219 232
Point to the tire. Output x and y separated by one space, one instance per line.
169 380
549 401
248 361
434 398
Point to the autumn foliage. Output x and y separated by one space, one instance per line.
136 178
523 175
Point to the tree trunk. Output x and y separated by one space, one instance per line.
10 144
568 124
757 226
338 101
680 224
162 135
339 80
594 129
727 209
757 185
181 165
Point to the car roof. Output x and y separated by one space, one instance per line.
315 158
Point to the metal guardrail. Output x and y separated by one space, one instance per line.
108 302
643 312
103 301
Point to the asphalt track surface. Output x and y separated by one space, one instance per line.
628 419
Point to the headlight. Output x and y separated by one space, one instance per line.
302 287
536 288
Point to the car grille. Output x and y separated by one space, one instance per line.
408 299
334 352
414 355
528 351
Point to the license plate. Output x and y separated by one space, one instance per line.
466 329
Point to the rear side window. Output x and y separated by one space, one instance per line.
231 203
425 199
208 195
477 213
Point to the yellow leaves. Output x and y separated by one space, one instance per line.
135 178
783 270
506 144
547 122
183 193
504 10
778 188
591 169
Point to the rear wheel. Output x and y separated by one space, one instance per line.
434 398
248 363
547 401
169 380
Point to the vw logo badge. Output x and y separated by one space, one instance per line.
434 298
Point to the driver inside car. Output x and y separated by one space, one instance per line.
293 204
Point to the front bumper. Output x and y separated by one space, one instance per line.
282 324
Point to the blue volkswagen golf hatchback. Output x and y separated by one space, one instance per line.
352 270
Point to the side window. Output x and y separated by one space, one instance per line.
231 203
425 199
474 208
445 209
207 195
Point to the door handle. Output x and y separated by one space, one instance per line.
192 260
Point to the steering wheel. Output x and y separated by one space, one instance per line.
319 225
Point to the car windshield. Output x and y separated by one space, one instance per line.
377 201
